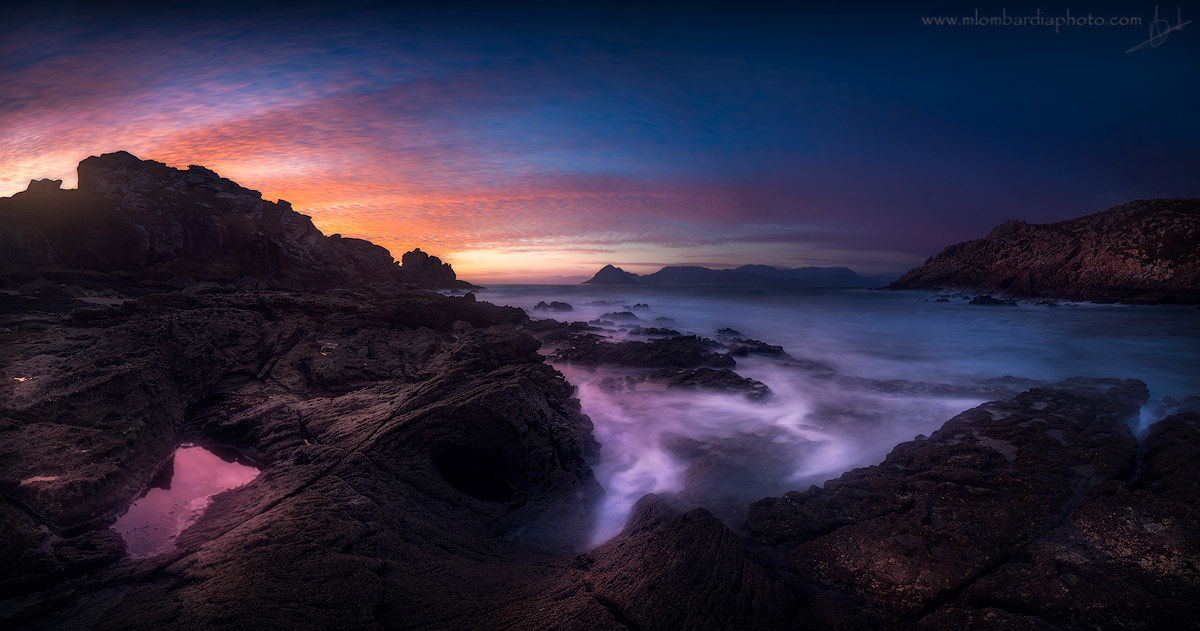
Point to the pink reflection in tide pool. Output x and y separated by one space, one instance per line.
177 498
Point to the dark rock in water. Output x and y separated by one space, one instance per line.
711 379
172 227
1146 251
728 332
620 316
724 474
553 306
742 346
653 330
686 351
719 379
991 302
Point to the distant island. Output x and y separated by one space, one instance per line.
744 275
1144 252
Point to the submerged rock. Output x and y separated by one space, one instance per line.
989 301
553 306
686 351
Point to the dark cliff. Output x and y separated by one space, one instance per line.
143 221
1143 252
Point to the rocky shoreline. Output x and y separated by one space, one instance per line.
1143 252
377 414
424 467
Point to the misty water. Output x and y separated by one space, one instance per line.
867 370
178 496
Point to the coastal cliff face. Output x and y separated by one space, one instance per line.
142 221
1144 252
422 467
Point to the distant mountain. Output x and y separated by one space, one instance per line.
1146 251
744 275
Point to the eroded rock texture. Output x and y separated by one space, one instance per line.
1028 513
1146 251
414 446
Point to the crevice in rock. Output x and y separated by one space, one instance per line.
475 473
950 595
615 611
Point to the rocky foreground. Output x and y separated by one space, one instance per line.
424 468
1145 252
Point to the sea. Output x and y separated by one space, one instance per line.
864 370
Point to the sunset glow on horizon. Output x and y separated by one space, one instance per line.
538 143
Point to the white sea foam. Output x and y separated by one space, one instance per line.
871 369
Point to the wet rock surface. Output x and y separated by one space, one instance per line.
1026 513
408 441
685 351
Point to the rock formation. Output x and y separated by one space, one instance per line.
142 222
1036 512
1143 252
413 445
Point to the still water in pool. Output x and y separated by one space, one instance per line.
177 496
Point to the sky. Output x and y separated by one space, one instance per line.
538 142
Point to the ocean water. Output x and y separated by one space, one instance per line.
866 370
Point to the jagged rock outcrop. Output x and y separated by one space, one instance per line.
143 223
1146 251
431 267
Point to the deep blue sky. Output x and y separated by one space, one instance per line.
541 141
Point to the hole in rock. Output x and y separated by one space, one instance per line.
178 495
475 473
